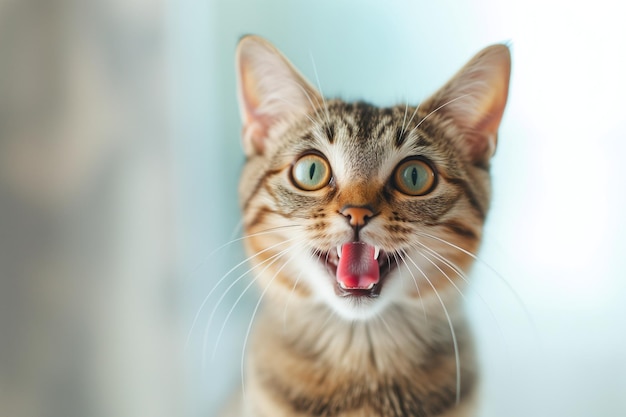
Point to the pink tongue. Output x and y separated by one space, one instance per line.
357 267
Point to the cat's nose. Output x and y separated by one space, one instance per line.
357 215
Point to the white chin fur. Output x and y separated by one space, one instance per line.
356 308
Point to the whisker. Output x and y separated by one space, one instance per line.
317 106
419 293
206 299
455 268
453 333
313 121
236 230
272 259
319 87
390 333
412 116
496 273
443 273
437 109
293 288
232 309
461 275
256 308
406 110
235 240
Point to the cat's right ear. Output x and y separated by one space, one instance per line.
270 91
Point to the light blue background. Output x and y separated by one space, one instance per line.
555 234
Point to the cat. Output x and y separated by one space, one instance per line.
362 224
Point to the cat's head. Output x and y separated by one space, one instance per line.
358 207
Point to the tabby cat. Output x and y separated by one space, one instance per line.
361 223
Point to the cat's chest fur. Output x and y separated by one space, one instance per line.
360 368
361 224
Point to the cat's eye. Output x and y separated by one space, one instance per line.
311 172
414 177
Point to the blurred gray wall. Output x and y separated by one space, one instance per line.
87 296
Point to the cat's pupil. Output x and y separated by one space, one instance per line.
312 171
414 176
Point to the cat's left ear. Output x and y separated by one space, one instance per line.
474 99
270 91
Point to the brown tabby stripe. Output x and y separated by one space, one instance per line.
401 135
259 184
459 229
330 132
461 183
260 215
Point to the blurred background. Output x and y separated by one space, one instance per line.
119 162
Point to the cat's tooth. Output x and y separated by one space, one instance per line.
376 252
342 285
339 251
369 287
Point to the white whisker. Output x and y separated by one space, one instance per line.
406 110
319 87
453 333
436 110
496 273
419 293
254 312
207 327
208 296
461 275
293 288
275 257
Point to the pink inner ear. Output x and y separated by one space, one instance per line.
475 98
270 90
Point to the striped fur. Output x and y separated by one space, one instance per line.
407 352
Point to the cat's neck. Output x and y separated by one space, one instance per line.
310 366
385 343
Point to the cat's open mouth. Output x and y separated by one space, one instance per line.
360 269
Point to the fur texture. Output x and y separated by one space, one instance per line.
401 345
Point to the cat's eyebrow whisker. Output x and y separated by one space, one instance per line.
496 273
317 106
436 110
411 119
406 110
270 261
314 122
256 308
454 340
319 87
219 282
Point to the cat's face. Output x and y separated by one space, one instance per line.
357 207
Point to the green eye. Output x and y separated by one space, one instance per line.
414 177
311 172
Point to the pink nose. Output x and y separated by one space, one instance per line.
357 216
